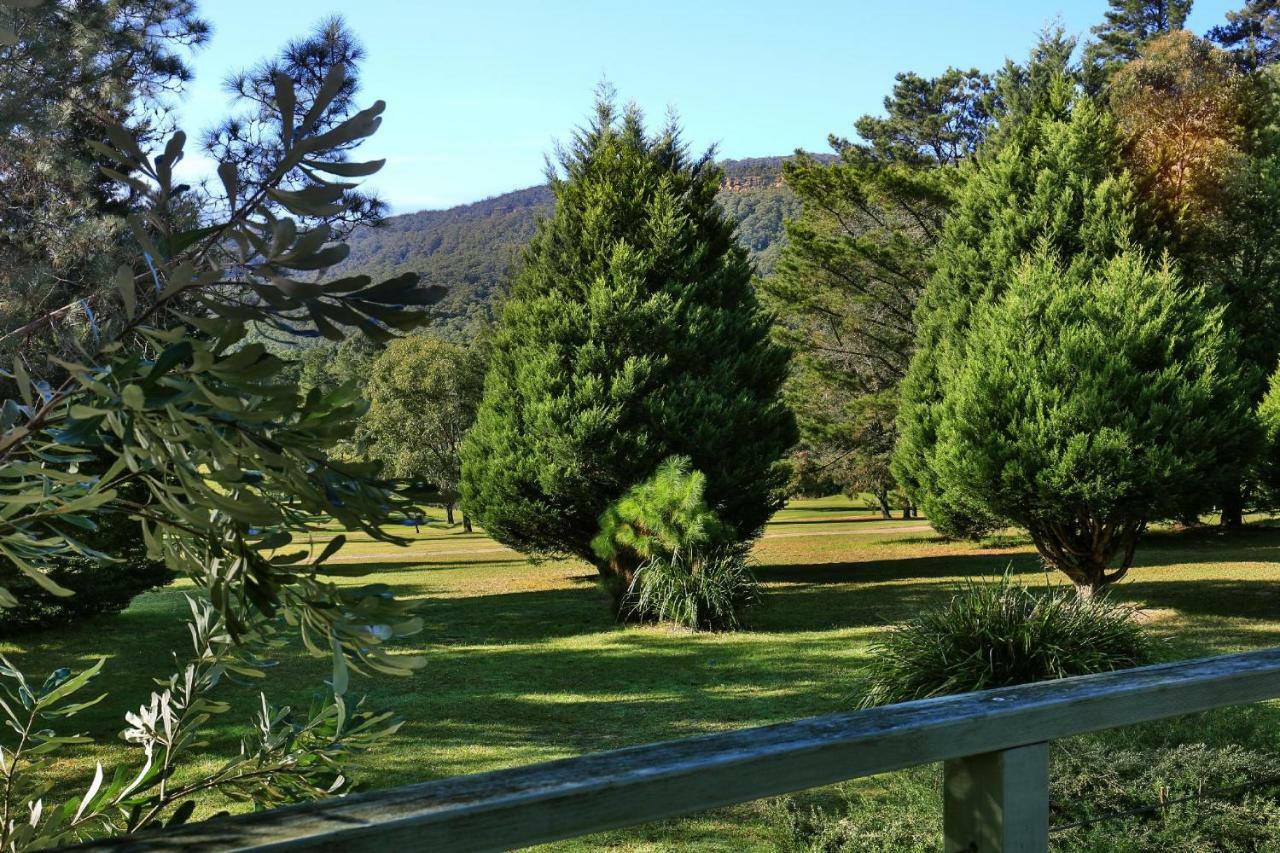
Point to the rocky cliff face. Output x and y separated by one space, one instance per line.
742 183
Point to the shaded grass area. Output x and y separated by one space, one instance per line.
525 665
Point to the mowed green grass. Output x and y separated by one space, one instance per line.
526 665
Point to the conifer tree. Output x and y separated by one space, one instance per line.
73 70
1201 144
1252 34
1096 395
632 334
1054 185
856 260
1130 23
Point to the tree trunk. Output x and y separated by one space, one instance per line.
882 496
448 513
466 523
1084 550
616 577
1233 507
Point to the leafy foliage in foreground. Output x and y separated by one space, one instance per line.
286 757
160 411
102 586
225 463
1000 634
635 280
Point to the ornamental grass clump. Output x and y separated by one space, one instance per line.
699 591
1000 634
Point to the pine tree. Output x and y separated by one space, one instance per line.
250 137
1054 184
632 334
74 70
1130 23
856 260
1252 34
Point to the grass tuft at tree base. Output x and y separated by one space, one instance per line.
700 591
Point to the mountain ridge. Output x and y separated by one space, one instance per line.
469 248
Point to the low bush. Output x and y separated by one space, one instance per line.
1208 794
660 516
697 590
999 634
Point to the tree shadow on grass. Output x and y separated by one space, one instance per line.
979 565
1253 543
831 509
531 616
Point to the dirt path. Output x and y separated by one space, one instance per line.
906 528
411 552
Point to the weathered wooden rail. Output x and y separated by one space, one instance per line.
994 743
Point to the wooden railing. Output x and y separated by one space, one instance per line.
994 745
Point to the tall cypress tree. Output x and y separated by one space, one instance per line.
632 334
1061 164
1096 395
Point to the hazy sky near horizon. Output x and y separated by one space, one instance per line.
478 92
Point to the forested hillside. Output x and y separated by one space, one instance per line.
469 248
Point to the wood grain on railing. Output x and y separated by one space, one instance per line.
608 790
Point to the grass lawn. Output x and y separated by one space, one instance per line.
525 664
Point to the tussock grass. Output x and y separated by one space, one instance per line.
999 634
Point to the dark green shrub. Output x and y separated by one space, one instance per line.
99 587
997 634
1094 777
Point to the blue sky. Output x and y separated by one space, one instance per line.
479 91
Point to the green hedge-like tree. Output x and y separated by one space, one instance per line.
1054 184
1093 400
632 334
